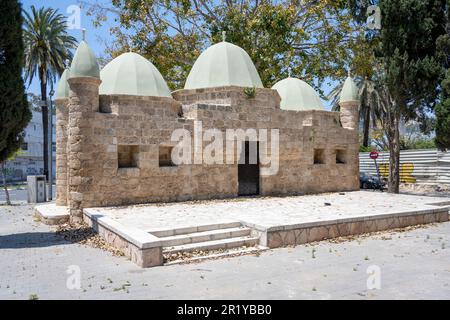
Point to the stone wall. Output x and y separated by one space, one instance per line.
104 128
62 116
82 153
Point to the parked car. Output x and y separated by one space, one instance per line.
367 181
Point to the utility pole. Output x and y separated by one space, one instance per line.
50 146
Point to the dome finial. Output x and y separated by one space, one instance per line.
224 36
289 72
129 45
349 73
83 34
67 64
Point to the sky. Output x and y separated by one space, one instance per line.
93 34
96 36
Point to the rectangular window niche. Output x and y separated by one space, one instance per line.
341 156
128 156
165 156
319 156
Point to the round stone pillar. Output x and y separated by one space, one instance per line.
62 117
83 104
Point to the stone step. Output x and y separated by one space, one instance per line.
160 233
226 254
204 236
213 245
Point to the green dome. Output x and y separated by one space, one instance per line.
84 63
349 91
62 91
223 64
132 74
297 95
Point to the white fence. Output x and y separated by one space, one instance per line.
416 166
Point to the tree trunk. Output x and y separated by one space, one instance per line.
394 153
8 200
366 127
44 113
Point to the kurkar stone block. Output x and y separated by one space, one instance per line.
116 149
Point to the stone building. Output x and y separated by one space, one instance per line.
114 130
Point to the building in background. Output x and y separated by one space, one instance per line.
30 161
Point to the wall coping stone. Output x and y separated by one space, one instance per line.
138 237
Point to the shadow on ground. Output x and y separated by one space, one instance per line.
46 239
31 240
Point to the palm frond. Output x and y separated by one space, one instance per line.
46 42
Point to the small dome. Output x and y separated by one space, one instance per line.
223 64
132 74
84 63
349 91
297 95
62 91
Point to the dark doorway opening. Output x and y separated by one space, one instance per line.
248 169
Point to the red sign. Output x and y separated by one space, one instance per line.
373 155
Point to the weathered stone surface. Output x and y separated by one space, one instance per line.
62 116
143 257
275 239
93 130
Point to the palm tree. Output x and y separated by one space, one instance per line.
47 47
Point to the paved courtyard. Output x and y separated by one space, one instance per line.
413 265
270 211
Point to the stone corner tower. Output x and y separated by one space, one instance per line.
349 115
84 81
349 103
62 118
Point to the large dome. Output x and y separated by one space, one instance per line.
132 74
223 64
297 95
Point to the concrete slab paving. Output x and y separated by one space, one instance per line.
412 264
270 212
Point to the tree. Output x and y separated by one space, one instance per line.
442 110
47 47
409 48
313 38
443 116
14 112
7 172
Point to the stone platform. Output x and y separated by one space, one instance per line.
51 214
144 232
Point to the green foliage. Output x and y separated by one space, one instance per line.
443 116
14 112
412 37
47 44
250 93
316 39
420 143
365 149
412 50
